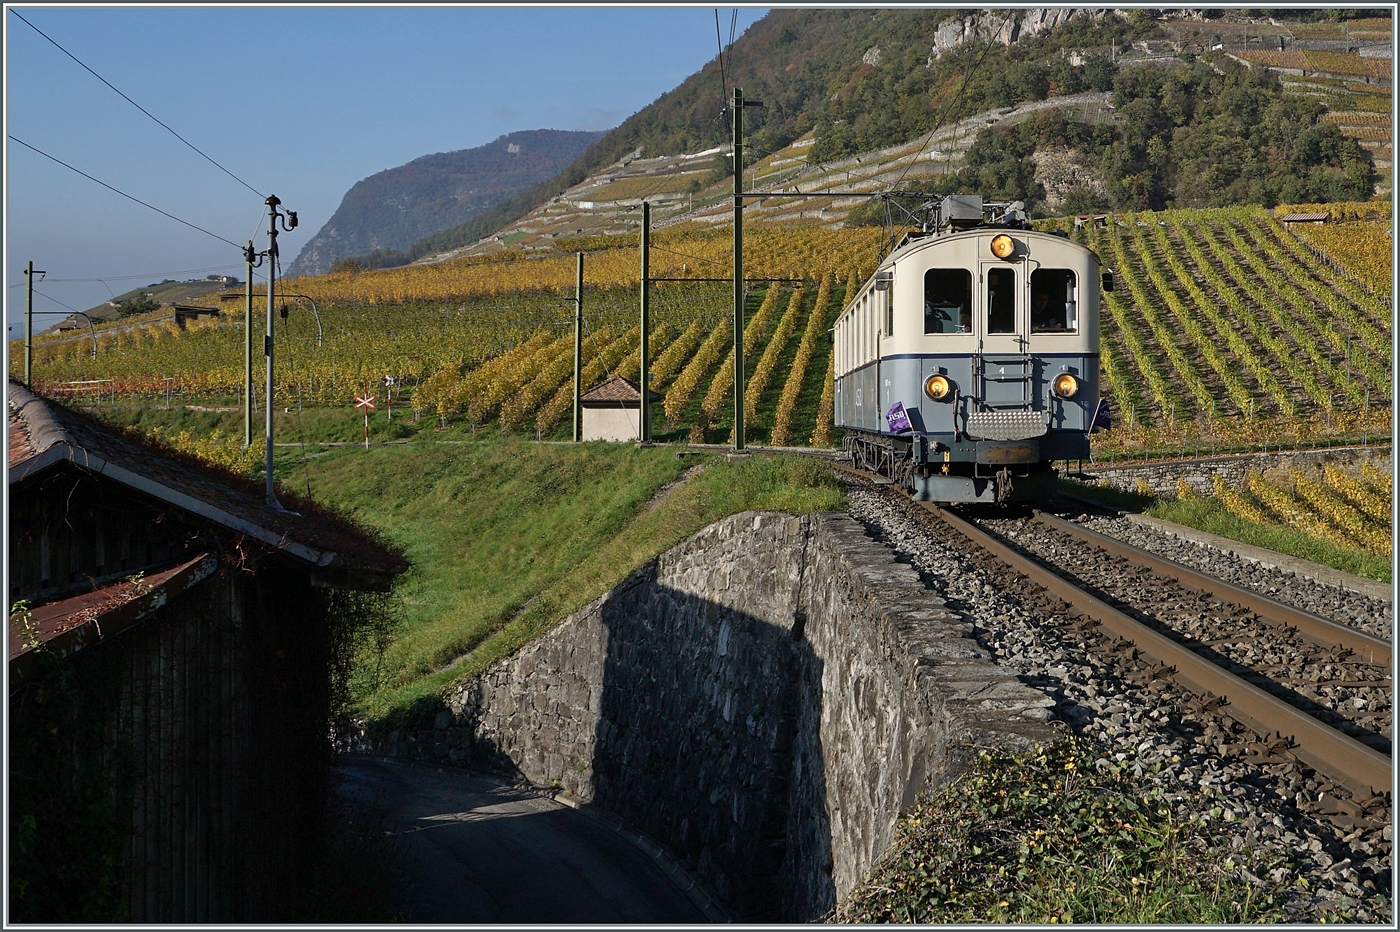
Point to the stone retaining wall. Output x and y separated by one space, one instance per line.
1161 475
762 700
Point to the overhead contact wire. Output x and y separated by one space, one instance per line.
967 78
136 105
124 194
124 278
723 81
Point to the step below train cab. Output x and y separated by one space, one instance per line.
969 362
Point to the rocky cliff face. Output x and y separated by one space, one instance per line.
1004 26
399 206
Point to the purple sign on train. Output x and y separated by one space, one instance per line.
898 418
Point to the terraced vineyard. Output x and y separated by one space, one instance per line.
1342 508
1225 330
1355 90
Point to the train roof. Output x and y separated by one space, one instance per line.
913 242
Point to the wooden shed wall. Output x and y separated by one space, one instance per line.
218 752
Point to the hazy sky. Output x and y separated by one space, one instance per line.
297 102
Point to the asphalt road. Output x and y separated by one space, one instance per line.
479 850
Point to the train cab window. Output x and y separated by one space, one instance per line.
947 301
1001 301
1054 301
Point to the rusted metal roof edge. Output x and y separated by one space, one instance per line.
119 618
38 463
205 510
67 451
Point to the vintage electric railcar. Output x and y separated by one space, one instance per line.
969 362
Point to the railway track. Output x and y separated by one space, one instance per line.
1279 686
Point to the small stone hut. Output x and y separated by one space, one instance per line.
613 410
176 648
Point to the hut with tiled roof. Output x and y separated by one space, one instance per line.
613 410
176 650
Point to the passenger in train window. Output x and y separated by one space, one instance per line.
1042 318
1051 291
947 301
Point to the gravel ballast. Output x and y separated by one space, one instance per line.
1102 692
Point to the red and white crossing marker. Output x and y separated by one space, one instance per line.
365 403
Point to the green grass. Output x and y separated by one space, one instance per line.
1063 835
1207 514
310 425
507 537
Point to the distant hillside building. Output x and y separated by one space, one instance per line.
1315 219
171 678
187 312
613 410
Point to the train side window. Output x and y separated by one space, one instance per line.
1054 301
1001 301
947 301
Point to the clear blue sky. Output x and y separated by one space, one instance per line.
297 102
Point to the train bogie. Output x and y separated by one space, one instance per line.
968 363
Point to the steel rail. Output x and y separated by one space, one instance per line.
1321 631
1341 758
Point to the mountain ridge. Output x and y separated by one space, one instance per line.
837 85
395 208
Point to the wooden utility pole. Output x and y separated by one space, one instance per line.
578 352
644 429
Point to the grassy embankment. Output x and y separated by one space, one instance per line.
1208 514
507 537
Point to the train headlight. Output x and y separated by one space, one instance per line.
1065 385
1003 246
938 387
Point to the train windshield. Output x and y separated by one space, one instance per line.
1001 301
1054 301
947 301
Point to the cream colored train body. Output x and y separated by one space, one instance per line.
969 362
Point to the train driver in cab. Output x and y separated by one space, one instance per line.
1048 315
